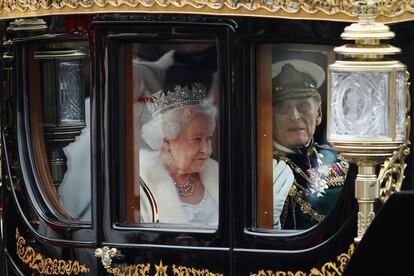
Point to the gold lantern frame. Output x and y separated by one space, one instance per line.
367 55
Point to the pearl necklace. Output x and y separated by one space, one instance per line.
186 189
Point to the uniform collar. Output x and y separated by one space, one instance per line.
306 150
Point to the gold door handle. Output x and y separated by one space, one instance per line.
106 254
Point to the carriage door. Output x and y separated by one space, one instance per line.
159 95
47 148
276 233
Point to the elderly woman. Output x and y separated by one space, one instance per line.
178 171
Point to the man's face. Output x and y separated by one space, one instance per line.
295 121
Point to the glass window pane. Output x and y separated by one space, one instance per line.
75 189
59 118
171 133
294 160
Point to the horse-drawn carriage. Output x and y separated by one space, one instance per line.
78 84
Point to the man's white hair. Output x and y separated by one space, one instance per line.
168 125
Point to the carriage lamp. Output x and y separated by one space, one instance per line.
19 28
63 97
26 27
367 106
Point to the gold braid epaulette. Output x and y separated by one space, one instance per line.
344 162
333 180
305 206
336 181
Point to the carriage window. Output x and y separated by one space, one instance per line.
59 118
171 155
294 161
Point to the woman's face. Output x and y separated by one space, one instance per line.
192 147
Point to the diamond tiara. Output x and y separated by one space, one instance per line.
161 102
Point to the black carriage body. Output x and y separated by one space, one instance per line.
37 240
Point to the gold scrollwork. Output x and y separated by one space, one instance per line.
190 271
48 266
160 270
136 270
392 170
391 174
342 10
329 268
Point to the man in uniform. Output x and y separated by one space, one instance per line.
307 177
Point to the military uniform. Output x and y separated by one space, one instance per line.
320 173
307 179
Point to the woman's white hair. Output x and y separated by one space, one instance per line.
168 125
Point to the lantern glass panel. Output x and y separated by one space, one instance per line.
71 90
359 104
401 109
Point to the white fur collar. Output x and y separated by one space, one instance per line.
158 180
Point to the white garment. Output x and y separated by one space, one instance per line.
75 189
161 185
204 212
282 182
151 74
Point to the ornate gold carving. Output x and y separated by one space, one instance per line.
339 10
136 270
305 206
391 174
364 220
366 9
328 269
392 170
106 255
187 271
48 266
161 270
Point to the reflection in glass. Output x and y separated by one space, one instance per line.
75 189
59 129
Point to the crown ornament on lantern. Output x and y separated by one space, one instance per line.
163 101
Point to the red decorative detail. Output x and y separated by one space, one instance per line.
77 23
145 99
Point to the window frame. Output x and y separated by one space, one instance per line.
250 235
38 207
187 32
